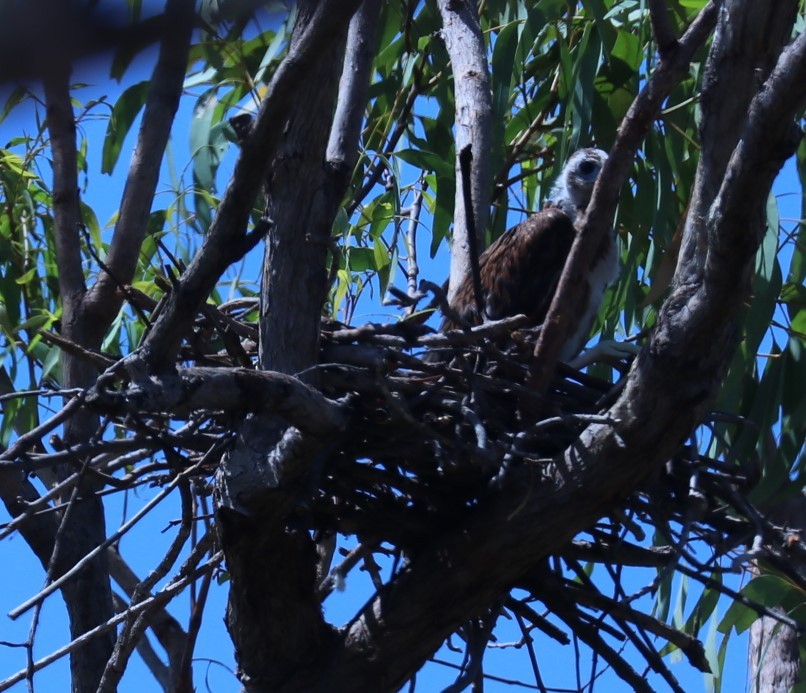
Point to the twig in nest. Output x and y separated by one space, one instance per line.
441 299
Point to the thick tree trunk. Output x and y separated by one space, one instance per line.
83 527
274 615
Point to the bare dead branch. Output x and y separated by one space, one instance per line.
73 349
233 390
589 634
165 627
159 671
463 39
184 669
133 629
353 87
165 595
688 645
28 440
111 539
412 268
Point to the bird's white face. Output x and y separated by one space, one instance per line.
580 173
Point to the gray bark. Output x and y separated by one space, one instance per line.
227 240
87 315
668 390
774 664
274 615
471 76
88 596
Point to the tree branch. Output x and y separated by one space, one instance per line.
133 629
271 468
342 152
226 240
234 390
596 225
662 27
740 59
166 628
471 74
187 575
88 598
160 672
162 102
66 214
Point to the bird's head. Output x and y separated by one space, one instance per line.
573 189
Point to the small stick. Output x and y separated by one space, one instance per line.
465 161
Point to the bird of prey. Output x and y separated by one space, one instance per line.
520 271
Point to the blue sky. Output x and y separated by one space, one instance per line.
142 547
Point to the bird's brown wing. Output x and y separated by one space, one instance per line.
520 271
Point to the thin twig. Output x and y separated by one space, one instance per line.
28 440
159 599
111 539
412 268
133 628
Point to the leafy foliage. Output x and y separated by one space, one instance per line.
563 76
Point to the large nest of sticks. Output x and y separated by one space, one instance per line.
438 421
436 424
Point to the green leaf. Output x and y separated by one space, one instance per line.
272 53
16 97
205 157
125 110
766 590
445 193
380 255
381 216
361 259
628 49
51 366
426 161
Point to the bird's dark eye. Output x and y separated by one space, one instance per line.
587 167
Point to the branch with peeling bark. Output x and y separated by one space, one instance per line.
471 73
